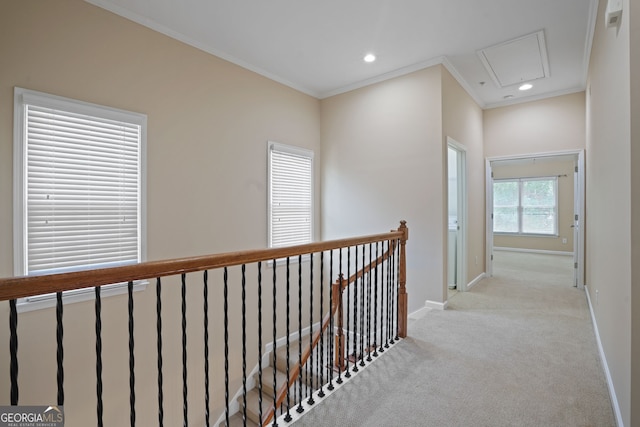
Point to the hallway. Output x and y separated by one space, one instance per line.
517 350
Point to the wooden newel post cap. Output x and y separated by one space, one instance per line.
404 229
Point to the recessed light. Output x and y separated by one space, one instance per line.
526 86
508 96
369 57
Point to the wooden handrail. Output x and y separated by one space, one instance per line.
341 284
26 286
20 287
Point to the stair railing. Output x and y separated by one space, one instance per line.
337 308
392 323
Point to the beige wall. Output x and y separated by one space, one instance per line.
526 169
634 41
549 125
462 121
609 221
383 161
208 126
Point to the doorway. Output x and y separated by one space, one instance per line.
457 216
576 215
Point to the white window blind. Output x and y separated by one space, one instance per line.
290 195
80 185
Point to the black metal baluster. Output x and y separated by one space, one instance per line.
347 372
300 409
310 401
395 287
205 297
185 401
330 353
132 375
355 315
341 308
389 307
375 306
98 311
369 301
244 345
13 350
321 353
159 346
226 344
275 408
382 299
60 348
392 290
362 300
288 417
260 341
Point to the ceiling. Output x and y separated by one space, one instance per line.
317 47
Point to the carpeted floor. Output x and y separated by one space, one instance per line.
517 350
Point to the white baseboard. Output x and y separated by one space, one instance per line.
533 251
419 313
436 305
477 280
605 366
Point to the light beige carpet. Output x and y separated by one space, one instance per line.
517 350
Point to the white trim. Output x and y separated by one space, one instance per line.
542 45
462 82
535 155
488 191
591 29
436 305
149 23
533 251
382 77
477 280
462 206
283 341
605 365
553 94
419 313
296 416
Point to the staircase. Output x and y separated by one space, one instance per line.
309 385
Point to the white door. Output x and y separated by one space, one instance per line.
578 233
457 207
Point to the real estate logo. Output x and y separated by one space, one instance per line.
31 416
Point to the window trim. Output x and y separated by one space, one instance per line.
520 208
22 97
271 146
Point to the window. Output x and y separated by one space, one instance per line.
290 195
526 206
78 185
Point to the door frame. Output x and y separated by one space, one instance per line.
578 198
461 247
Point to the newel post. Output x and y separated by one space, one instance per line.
402 290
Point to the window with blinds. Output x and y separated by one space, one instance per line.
79 185
290 195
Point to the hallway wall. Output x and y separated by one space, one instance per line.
208 126
609 262
382 155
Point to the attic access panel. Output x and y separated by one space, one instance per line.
516 61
